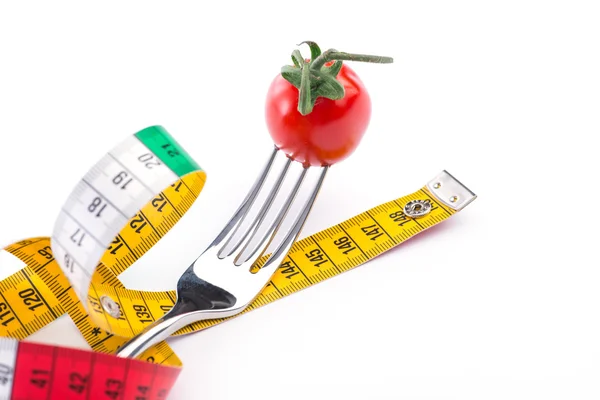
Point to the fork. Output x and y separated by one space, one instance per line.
220 283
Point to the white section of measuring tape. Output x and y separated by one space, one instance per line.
154 176
9 264
121 195
8 355
111 193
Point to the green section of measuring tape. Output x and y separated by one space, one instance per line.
161 143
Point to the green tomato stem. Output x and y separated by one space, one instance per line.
332 55
297 56
305 105
314 81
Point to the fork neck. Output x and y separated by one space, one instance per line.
193 295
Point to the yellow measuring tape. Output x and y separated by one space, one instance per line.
41 292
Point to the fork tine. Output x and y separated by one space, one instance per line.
286 244
248 201
282 212
259 217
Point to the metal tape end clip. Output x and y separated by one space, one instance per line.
449 191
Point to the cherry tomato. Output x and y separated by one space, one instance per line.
327 135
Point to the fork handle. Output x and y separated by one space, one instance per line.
158 331
194 296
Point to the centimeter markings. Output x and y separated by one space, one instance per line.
55 289
144 230
92 210
25 306
8 363
367 235
108 198
129 190
37 371
111 193
41 292
313 259
99 337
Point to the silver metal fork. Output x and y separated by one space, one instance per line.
219 283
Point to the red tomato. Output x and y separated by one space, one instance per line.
327 135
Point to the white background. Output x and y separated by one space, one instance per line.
502 301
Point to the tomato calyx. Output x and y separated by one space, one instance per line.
317 76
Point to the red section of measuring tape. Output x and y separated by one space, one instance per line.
59 373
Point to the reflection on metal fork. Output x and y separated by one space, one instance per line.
219 283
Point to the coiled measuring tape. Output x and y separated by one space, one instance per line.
124 205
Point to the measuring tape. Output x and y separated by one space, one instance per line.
124 205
